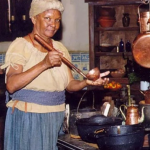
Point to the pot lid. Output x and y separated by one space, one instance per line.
141 49
99 120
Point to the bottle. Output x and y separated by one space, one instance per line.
126 20
128 46
121 46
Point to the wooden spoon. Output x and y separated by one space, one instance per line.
92 75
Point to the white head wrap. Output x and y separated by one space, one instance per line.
39 6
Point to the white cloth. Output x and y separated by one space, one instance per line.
39 6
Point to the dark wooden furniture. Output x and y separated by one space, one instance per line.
95 30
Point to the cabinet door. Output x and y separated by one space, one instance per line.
3 18
18 9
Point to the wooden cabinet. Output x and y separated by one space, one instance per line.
14 15
113 34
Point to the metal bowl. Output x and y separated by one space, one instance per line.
117 74
106 47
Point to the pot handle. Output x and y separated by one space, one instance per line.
82 99
120 108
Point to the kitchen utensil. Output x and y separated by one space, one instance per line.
85 126
121 137
78 113
140 49
92 75
132 116
141 46
105 47
144 21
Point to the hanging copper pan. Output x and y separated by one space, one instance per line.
141 45
141 49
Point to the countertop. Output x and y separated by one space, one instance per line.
65 142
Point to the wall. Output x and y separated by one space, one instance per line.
75 25
76 33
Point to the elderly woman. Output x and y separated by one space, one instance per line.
36 81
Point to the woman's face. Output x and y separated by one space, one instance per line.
47 23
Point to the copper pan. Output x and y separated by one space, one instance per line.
141 49
141 45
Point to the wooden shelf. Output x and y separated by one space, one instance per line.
113 2
120 80
97 54
117 29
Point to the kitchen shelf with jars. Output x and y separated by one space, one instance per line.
111 23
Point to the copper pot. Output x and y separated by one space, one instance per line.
132 115
141 46
141 49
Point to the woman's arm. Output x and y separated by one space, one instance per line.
17 79
76 85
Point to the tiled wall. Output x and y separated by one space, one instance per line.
2 58
81 61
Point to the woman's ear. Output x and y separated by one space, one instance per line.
33 19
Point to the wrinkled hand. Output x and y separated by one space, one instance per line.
100 80
53 59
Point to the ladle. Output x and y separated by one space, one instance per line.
92 75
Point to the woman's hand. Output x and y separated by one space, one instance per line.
53 59
100 81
